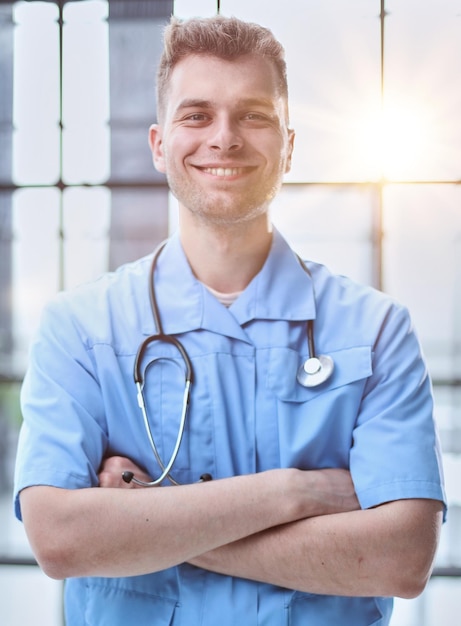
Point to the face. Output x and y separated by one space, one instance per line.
224 144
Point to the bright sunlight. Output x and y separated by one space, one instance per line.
397 141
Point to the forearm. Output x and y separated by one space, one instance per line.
124 532
386 551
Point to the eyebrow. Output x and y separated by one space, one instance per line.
190 103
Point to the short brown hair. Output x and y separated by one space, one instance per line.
223 37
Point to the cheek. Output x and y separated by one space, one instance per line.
275 148
183 143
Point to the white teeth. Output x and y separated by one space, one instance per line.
222 171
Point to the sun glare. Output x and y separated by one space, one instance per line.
396 141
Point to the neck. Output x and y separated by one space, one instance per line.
227 258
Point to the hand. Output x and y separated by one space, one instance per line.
112 468
331 491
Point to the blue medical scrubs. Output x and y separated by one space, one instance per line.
247 414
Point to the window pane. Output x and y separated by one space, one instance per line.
139 221
36 151
86 222
135 46
448 410
330 225
36 266
423 79
86 142
422 266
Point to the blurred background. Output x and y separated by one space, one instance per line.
374 193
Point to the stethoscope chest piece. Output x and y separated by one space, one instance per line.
315 370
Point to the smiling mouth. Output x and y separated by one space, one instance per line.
222 172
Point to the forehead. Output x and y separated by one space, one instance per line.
206 77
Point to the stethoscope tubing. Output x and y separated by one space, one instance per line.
166 469
315 371
138 376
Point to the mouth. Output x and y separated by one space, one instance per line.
224 172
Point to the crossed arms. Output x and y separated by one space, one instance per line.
298 529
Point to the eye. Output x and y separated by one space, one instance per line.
255 117
196 117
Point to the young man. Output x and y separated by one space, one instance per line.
325 500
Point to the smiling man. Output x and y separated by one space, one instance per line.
224 144
224 153
326 494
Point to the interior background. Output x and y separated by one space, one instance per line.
375 92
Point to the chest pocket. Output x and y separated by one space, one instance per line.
315 425
350 365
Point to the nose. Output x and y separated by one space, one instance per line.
225 136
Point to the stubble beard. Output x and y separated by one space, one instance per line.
225 208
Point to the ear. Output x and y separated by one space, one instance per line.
291 143
156 146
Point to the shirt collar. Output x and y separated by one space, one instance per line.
281 290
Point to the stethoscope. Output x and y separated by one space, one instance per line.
315 371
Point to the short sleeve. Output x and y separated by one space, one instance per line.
395 452
63 436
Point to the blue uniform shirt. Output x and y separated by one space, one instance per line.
247 414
